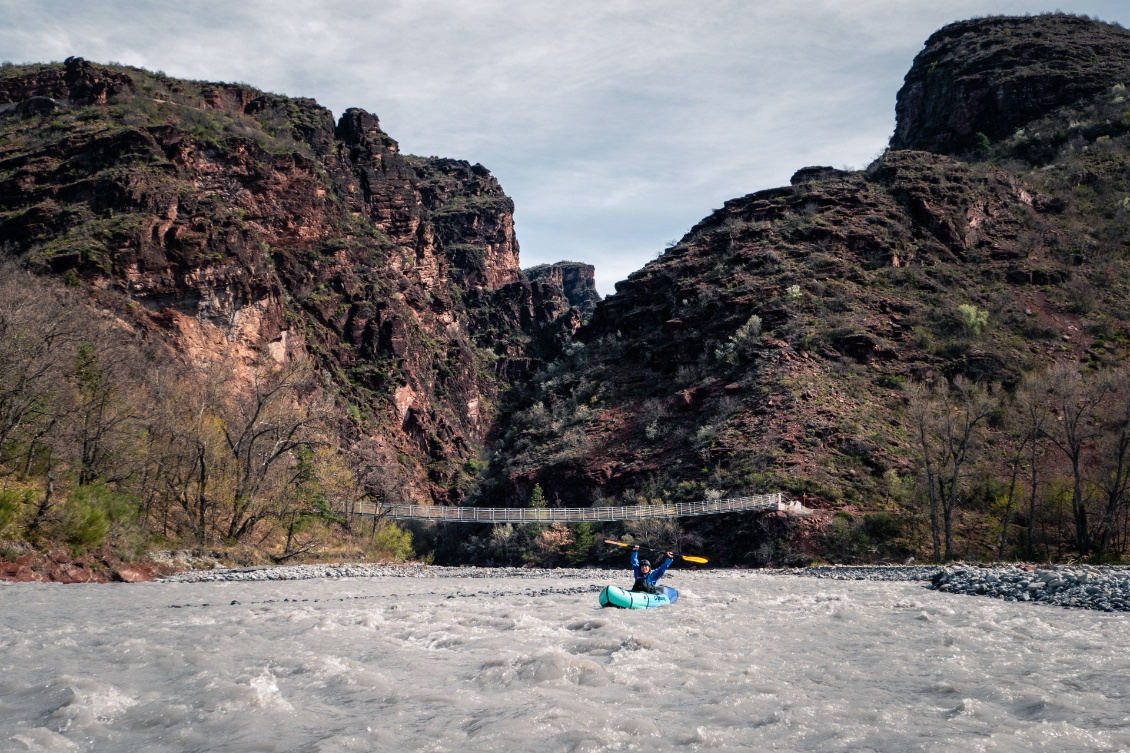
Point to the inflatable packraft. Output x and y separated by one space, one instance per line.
614 596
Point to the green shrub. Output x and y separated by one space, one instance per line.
973 319
924 340
392 542
844 541
742 342
12 504
93 513
882 526
891 381
981 145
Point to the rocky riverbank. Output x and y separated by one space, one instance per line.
1104 588
1080 587
27 565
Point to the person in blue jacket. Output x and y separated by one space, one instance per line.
645 576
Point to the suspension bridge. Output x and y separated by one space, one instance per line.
774 502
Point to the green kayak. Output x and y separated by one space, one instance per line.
614 596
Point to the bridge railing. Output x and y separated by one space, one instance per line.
773 501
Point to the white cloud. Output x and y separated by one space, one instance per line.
614 124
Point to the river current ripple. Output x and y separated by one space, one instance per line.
744 661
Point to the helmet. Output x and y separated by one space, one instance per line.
645 562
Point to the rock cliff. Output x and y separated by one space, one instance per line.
993 75
853 281
575 279
236 224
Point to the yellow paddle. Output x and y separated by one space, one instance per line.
687 557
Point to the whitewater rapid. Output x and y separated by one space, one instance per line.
743 662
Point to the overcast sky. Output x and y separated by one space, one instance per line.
614 124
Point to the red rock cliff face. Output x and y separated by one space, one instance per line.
576 280
238 225
472 219
844 272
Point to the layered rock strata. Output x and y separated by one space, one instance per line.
237 224
576 280
994 75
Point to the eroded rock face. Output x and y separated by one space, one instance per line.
240 225
993 75
576 280
841 270
473 221
76 81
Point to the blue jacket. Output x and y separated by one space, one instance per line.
654 575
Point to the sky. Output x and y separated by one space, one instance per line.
615 125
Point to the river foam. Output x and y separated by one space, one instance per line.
744 661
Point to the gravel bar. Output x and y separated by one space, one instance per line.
863 572
1103 588
1075 586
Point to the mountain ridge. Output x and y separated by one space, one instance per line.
773 347
238 221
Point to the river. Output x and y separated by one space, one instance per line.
745 661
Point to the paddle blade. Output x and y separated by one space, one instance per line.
616 543
699 560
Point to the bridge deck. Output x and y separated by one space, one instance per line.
760 502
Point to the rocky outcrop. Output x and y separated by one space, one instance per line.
993 75
575 279
472 219
239 225
76 82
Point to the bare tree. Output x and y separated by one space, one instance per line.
662 534
261 432
922 411
966 408
1113 476
38 331
207 455
104 406
1027 423
948 423
1020 438
184 434
1075 402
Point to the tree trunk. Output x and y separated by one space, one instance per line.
1032 507
1079 510
45 505
1011 494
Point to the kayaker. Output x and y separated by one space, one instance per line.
645 576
